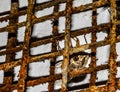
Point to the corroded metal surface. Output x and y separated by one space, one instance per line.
26 50
113 54
13 46
65 62
93 49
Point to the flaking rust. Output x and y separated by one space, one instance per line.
65 62
55 44
93 76
13 46
113 54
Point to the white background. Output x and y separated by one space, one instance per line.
79 20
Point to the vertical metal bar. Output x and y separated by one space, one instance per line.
54 47
25 59
93 49
65 62
113 54
11 43
118 18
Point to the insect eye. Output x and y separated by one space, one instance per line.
75 58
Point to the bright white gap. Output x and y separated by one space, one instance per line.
16 73
38 88
2 58
42 29
61 26
6 4
81 20
62 7
21 33
18 54
4 24
77 3
4 37
102 55
102 75
101 36
118 51
57 84
44 12
103 16
15 90
41 68
23 3
42 1
1 76
41 49
22 18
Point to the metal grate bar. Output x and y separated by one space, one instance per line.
25 58
29 42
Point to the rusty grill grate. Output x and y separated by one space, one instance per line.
29 42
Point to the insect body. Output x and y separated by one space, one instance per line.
78 62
